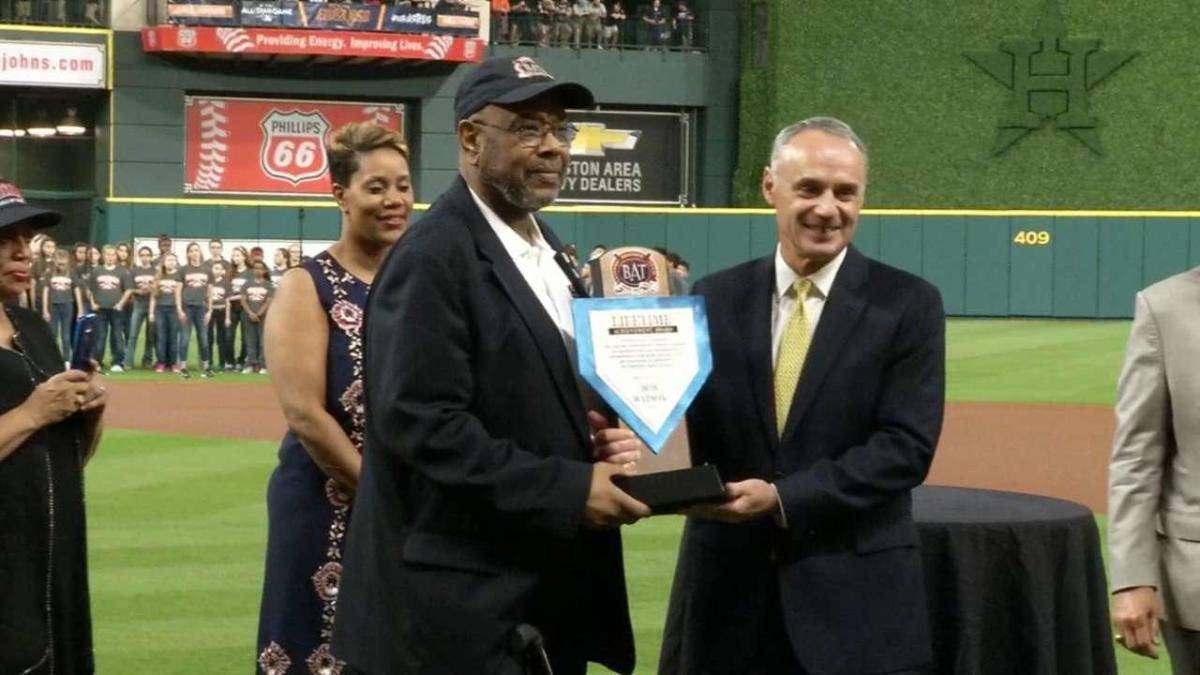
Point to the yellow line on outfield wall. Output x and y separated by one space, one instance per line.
31 28
1003 213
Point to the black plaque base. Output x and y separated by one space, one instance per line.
670 491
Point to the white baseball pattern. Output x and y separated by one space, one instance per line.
214 151
234 39
378 114
438 47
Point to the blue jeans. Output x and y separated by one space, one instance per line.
195 322
253 333
167 332
138 313
110 326
62 318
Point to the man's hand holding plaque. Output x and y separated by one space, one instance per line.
647 356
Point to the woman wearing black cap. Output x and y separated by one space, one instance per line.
50 423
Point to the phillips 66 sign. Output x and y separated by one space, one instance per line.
269 146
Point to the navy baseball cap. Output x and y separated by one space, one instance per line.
14 210
507 79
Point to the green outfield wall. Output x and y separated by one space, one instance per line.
997 264
896 70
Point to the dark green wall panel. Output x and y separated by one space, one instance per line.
900 243
987 271
1121 258
646 229
195 223
728 242
151 220
1032 274
944 239
1091 267
764 236
688 235
1076 266
866 239
1166 248
283 223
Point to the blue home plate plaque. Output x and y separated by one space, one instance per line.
647 357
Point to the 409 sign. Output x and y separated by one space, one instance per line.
269 146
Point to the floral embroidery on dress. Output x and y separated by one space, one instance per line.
322 662
273 660
352 399
326 581
335 494
347 315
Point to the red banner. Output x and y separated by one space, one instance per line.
268 146
212 40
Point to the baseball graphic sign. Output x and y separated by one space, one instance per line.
269 146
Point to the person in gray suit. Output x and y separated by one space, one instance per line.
1153 496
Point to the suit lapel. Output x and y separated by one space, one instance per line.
842 309
541 327
756 306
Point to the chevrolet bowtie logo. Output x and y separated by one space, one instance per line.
593 138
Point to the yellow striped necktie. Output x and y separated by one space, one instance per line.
792 350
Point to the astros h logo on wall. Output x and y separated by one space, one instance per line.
1050 75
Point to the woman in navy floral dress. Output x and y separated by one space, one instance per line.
318 310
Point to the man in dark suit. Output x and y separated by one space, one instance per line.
823 410
479 507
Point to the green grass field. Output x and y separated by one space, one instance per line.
177 524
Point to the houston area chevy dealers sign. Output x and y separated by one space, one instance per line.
53 64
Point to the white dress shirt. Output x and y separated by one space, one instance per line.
784 304
536 264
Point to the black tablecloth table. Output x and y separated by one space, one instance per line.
1016 584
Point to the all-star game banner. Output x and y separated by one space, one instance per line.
628 157
268 146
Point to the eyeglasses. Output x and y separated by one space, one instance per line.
530 134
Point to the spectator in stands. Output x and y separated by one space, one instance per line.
683 21
283 263
578 11
593 22
192 317
142 274
521 21
500 29
60 298
111 288
219 326
166 313
256 300
239 275
658 28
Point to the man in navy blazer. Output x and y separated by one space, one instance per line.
812 565
480 507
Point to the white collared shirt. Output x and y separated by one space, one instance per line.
784 304
536 264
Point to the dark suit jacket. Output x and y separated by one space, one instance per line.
476 470
861 434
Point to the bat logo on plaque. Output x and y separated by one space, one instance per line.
647 354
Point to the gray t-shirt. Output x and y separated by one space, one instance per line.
62 287
218 292
236 282
165 293
142 279
195 285
257 293
108 285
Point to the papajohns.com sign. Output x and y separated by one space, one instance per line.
621 157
